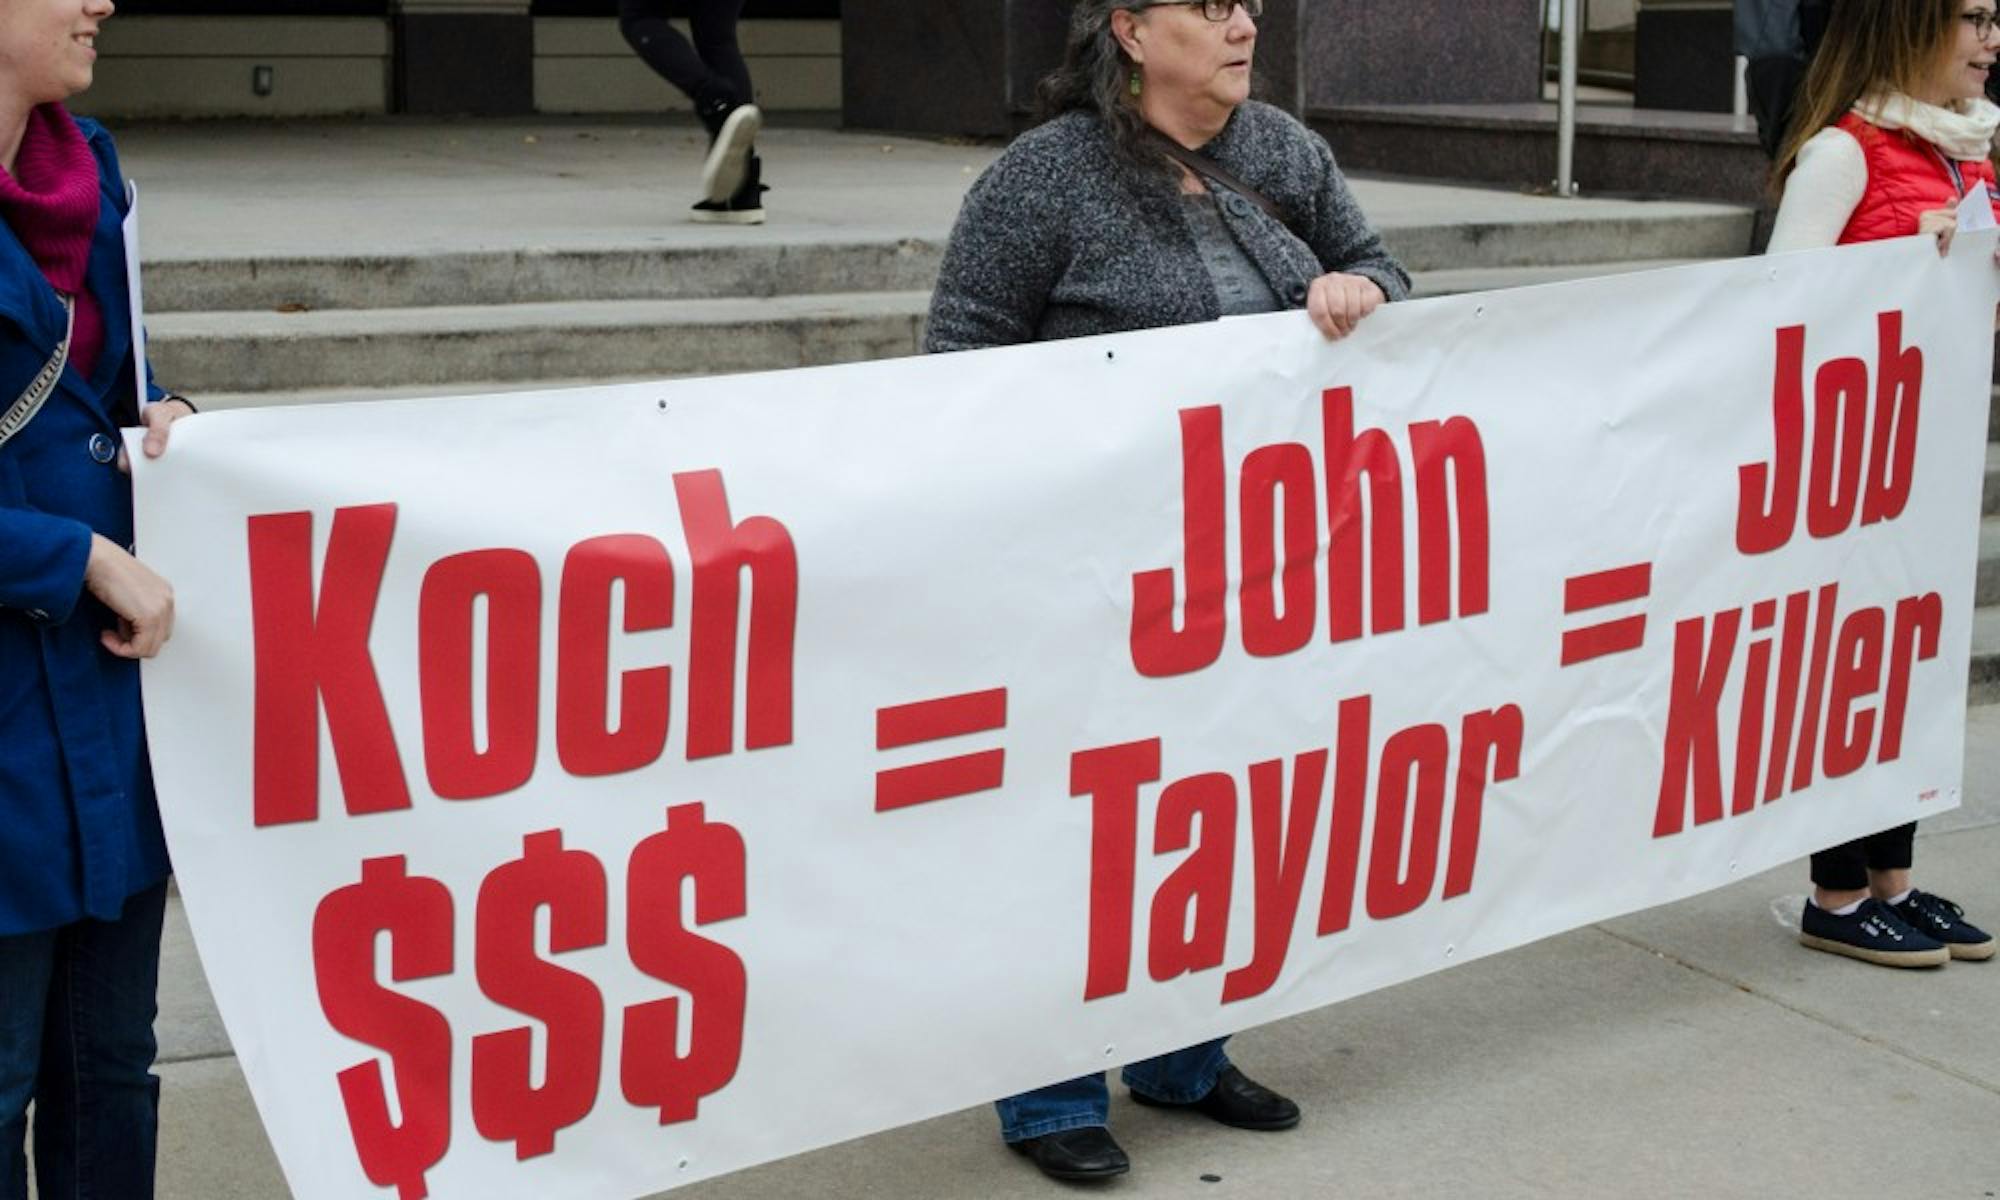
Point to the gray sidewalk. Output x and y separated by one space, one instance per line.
1693 1050
390 188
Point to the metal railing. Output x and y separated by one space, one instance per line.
1571 44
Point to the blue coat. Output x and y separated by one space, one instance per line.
79 831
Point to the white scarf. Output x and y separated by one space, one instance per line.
1964 131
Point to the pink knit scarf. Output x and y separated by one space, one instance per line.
50 201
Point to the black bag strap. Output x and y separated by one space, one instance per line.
39 388
1206 167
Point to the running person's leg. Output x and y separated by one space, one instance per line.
711 72
731 187
646 29
714 26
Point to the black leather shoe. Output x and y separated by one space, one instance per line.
1077 1155
1237 1100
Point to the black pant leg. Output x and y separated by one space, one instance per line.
672 57
714 26
1891 849
1842 868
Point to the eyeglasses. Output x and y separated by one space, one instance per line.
1221 10
1982 20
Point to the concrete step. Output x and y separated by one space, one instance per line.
425 346
236 352
1619 150
768 267
1485 279
1664 231
541 276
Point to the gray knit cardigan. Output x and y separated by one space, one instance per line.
1061 238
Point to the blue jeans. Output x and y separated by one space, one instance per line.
76 1039
1178 1078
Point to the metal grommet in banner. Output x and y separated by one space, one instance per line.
102 448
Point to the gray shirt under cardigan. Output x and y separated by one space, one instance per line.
1061 238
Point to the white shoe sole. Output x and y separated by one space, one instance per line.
746 216
729 158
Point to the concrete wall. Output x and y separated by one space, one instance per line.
156 66
582 65
207 67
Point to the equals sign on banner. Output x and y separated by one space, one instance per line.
1602 589
934 721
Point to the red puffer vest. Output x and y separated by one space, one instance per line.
1907 177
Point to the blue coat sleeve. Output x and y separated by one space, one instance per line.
42 558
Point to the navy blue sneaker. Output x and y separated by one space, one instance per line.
1943 921
1872 933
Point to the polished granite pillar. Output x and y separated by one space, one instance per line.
1685 55
1421 52
970 66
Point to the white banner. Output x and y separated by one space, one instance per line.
578 794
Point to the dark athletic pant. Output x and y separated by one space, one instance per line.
711 68
1845 868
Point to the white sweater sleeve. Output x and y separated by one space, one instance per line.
1821 194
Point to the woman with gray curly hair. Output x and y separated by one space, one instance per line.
1155 193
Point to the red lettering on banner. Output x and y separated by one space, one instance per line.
1280 846
585 742
1189 926
416 915
1489 752
1918 623
1349 456
1453 539
1701 671
1283 470
312 654
693 855
511 585
722 551
1750 718
1344 829
1899 387
1414 759
1159 646
1785 705
1451 479
507 1106
1191 908
310 651
1111 777
1844 438
1854 657
652 1071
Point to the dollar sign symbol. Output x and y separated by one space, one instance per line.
506 1106
416 913
651 1070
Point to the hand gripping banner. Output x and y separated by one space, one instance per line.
577 794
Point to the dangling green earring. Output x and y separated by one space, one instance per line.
1137 87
